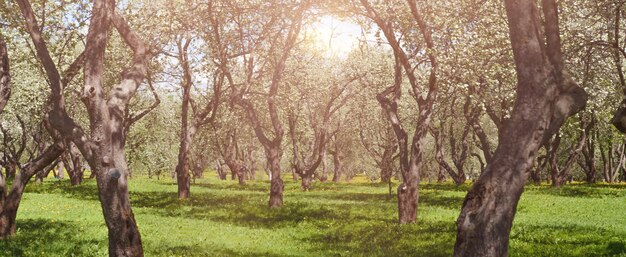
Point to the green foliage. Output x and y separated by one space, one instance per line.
343 219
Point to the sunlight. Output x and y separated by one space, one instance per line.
335 36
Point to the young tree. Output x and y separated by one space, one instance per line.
198 118
546 96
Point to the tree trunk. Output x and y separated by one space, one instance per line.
252 163
277 186
306 180
5 76
10 201
11 170
337 166
221 173
76 169
546 96
60 169
186 131
540 165
45 172
238 170
386 164
408 197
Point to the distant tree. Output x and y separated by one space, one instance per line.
424 95
200 116
268 52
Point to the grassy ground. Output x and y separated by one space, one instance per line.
345 219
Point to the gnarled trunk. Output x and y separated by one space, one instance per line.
546 96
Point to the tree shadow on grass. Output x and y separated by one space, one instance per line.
565 240
425 238
446 187
581 190
196 250
40 237
239 209
85 191
427 198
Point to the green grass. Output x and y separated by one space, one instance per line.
345 219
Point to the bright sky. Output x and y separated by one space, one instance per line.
336 36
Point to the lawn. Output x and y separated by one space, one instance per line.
344 219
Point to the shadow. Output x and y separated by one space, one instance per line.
197 250
39 237
241 209
581 190
438 199
427 198
565 240
88 190
425 238
616 248
446 186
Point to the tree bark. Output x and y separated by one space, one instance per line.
277 186
5 76
337 165
104 148
10 200
546 96
410 162
75 169
272 147
221 173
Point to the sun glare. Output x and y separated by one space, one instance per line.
335 36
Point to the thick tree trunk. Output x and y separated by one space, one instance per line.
408 197
277 187
104 148
7 219
546 96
